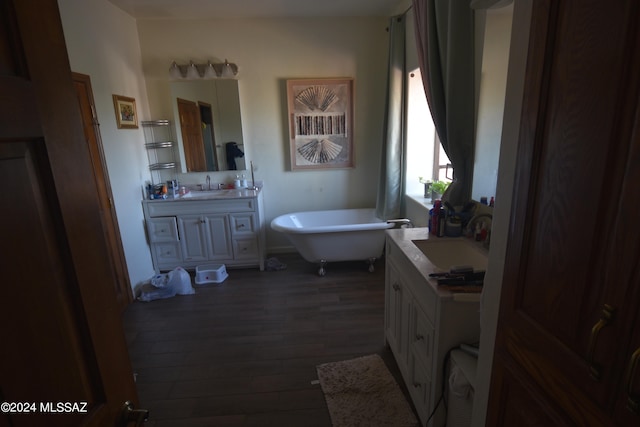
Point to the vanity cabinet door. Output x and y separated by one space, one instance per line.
193 238
397 314
421 335
218 237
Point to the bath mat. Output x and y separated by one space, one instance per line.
273 264
362 392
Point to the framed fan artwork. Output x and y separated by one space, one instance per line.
321 123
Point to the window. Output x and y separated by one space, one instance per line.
425 156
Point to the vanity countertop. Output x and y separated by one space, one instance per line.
225 194
403 238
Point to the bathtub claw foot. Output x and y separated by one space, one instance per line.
321 269
371 266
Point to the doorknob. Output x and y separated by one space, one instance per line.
605 317
633 399
131 415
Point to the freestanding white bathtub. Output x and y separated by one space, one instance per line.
335 235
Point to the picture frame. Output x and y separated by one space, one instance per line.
320 113
126 114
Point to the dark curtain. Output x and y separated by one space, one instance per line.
445 39
390 202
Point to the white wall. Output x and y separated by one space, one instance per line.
102 41
269 51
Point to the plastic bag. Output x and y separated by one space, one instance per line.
175 282
180 280
156 293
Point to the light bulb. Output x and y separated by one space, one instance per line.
209 71
226 71
192 71
174 71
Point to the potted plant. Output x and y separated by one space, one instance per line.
438 188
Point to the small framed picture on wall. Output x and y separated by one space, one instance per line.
126 115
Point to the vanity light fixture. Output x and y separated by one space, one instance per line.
194 71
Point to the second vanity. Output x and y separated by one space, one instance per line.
223 226
422 321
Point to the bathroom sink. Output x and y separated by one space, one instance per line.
445 253
207 194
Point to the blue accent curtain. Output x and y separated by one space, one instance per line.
391 188
446 52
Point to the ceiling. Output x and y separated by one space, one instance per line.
204 9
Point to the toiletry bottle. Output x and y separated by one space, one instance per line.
477 234
434 217
236 183
441 224
243 182
442 221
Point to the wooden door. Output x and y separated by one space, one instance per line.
191 130
208 136
107 209
624 265
570 297
62 339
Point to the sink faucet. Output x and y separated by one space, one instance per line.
208 182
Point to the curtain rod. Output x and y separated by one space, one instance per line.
400 16
406 11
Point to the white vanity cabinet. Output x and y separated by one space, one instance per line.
194 231
422 322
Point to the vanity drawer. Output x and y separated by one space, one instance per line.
245 248
242 224
420 387
162 229
167 254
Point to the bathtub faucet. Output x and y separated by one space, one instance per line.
402 222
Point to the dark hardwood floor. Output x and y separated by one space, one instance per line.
244 352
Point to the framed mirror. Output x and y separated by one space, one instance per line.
208 125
